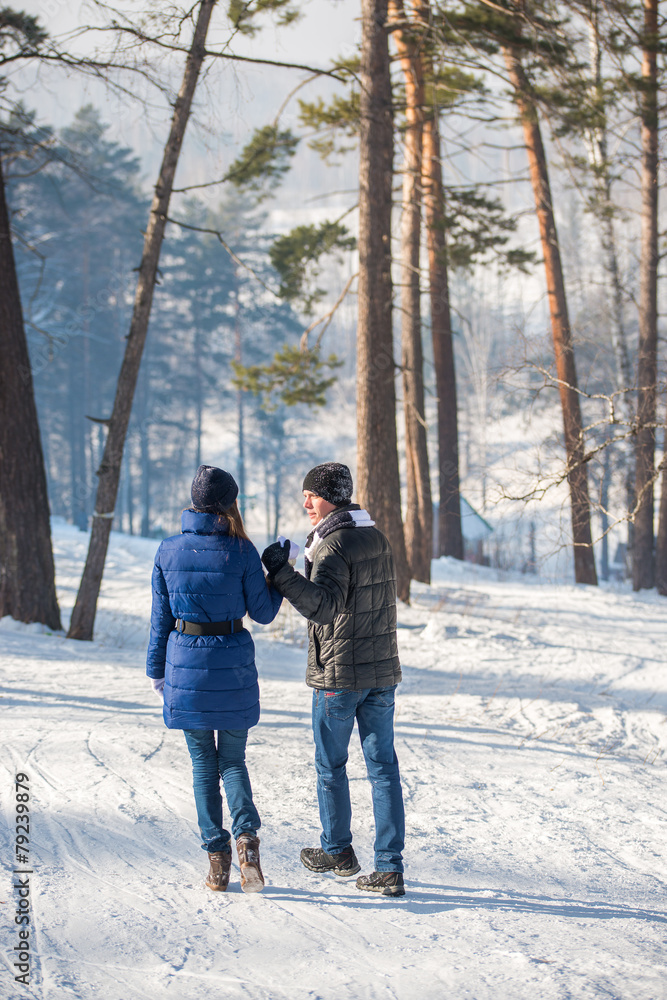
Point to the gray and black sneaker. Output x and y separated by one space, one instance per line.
343 864
387 883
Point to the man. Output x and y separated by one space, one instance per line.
348 596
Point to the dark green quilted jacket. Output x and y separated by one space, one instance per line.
350 604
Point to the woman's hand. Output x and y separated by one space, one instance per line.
158 686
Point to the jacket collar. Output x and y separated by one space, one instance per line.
349 516
345 506
198 523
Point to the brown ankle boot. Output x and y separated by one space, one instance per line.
252 879
218 875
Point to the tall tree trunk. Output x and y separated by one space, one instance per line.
623 367
599 159
145 460
83 615
584 560
661 543
419 513
604 517
142 408
238 357
643 565
127 483
279 437
77 444
277 490
199 391
88 429
268 495
27 574
450 535
378 484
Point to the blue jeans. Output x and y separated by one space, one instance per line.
334 713
209 764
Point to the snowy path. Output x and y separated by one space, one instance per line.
531 734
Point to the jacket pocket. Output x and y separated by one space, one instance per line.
317 650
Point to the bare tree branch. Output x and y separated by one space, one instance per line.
326 319
223 243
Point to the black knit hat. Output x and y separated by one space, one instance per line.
213 490
331 481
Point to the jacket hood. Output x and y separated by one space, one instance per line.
198 522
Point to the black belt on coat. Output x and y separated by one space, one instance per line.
209 628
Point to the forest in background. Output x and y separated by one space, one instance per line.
237 287
79 241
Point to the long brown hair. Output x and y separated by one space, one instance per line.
232 515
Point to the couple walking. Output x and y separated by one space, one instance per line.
202 662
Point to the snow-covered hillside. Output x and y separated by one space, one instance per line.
530 731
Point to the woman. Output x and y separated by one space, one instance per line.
202 661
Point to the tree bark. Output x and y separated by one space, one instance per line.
27 574
145 463
577 477
643 562
450 535
199 391
77 443
83 615
238 357
599 159
661 543
419 512
378 484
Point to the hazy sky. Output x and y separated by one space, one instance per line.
232 99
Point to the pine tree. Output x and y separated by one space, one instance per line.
419 512
519 28
463 226
378 487
643 559
27 575
450 534
80 210
83 614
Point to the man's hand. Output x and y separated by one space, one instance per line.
276 556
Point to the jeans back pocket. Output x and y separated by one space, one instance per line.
340 704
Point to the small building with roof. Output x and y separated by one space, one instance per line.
476 531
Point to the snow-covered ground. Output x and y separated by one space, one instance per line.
531 734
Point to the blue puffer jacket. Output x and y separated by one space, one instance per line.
206 575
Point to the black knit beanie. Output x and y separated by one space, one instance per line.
331 481
213 490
